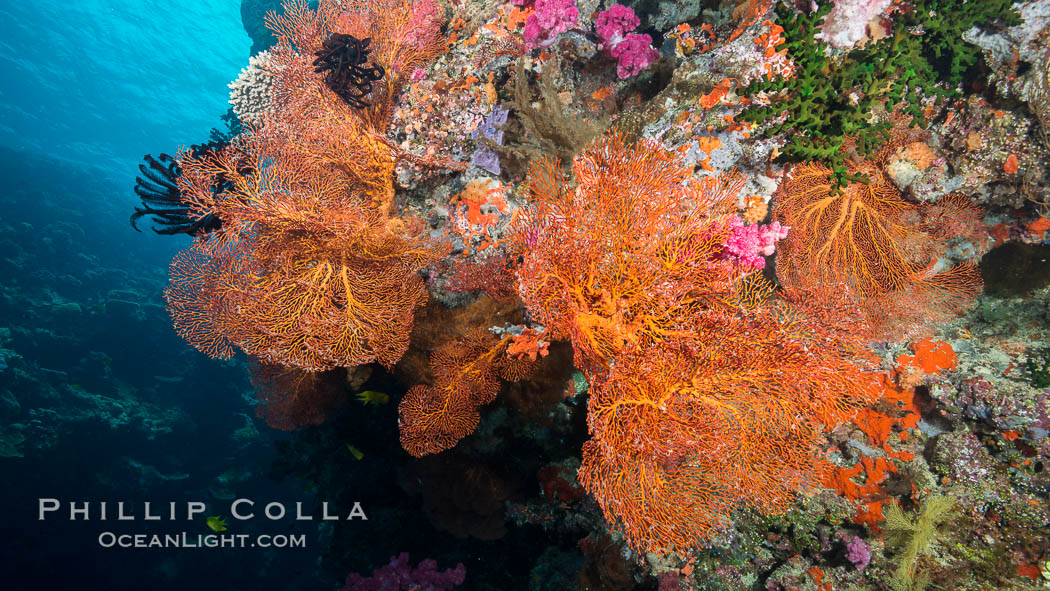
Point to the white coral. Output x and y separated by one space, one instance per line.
847 23
250 92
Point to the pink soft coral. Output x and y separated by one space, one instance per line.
399 575
612 24
633 52
748 244
552 18
633 55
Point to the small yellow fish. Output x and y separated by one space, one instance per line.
216 523
358 454
372 397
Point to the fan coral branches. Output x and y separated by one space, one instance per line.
467 375
310 268
617 260
310 120
706 394
318 278
684 432
196 302
889 254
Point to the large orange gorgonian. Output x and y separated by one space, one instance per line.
196 297
310 268
467 375
705 393
685 431
626 253
317 279
889 253
310 120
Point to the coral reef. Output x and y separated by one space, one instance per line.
250 92
729 295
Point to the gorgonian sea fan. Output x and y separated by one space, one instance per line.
707 392
890 254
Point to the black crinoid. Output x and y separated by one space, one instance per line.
343 59
158 188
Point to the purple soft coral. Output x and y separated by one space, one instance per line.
858 552
399 576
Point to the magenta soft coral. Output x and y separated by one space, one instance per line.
633 55
552 18
633 52
399 576
612 24
747 245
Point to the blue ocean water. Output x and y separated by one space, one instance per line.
101 401
100 83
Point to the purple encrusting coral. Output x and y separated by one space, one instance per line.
399 576
858 552
485 157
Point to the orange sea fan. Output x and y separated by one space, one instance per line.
322 278
730 416
622 255
311 121
405 34
467 374
196 298
708 390
889 253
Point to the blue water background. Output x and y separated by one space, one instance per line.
86 89
100 83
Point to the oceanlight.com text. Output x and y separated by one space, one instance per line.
186 540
